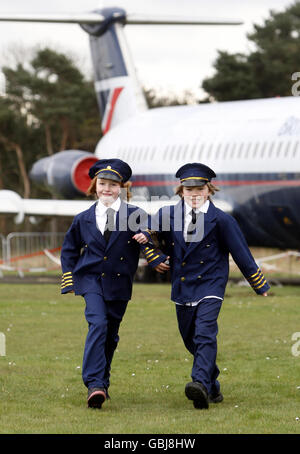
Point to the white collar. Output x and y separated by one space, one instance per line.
101 208
202 209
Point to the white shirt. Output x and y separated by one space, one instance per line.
187 220
188 215
101 215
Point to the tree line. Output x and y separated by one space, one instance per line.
265 72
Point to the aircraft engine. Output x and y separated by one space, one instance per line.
65 173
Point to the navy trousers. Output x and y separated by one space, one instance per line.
198 328
104 318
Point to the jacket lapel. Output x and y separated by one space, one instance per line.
203 226
177 223
120 225
90 218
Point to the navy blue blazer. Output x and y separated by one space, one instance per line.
89 264
201 268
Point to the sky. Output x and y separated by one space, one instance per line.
167 58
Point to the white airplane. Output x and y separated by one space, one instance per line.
253 146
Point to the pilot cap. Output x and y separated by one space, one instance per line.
195 174
112 169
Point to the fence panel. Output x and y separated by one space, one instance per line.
2 249
33 251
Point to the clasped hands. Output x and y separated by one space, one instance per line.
142 239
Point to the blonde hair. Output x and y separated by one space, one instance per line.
92 189
212 189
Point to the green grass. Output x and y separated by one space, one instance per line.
41 389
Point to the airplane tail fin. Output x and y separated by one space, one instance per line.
119 93
118 90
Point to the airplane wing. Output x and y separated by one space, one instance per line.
12 203
132 19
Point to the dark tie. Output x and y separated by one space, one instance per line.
109 226
191 227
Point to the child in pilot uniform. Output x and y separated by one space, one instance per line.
198 239
99 258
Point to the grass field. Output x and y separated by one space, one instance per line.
41 391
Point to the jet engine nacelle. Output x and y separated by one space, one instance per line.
65 173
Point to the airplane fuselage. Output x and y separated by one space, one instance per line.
253 146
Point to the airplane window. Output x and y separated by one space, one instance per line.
218 151
295 149
200 151
263 149
153 153
166 152
225 151
232 150
147 153
133 153
287 149
255 149
172 152
278 149
271 149
239 155
209 151
193 149
248 150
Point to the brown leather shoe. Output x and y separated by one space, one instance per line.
96 397
196 392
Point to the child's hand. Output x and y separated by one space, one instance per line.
140 238
162 267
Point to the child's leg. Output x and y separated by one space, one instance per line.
185 318
94 361
104 319
115 312
205 339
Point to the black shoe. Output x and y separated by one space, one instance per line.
96 397
196 392
215 398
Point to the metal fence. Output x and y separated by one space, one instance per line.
2 249
31 251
